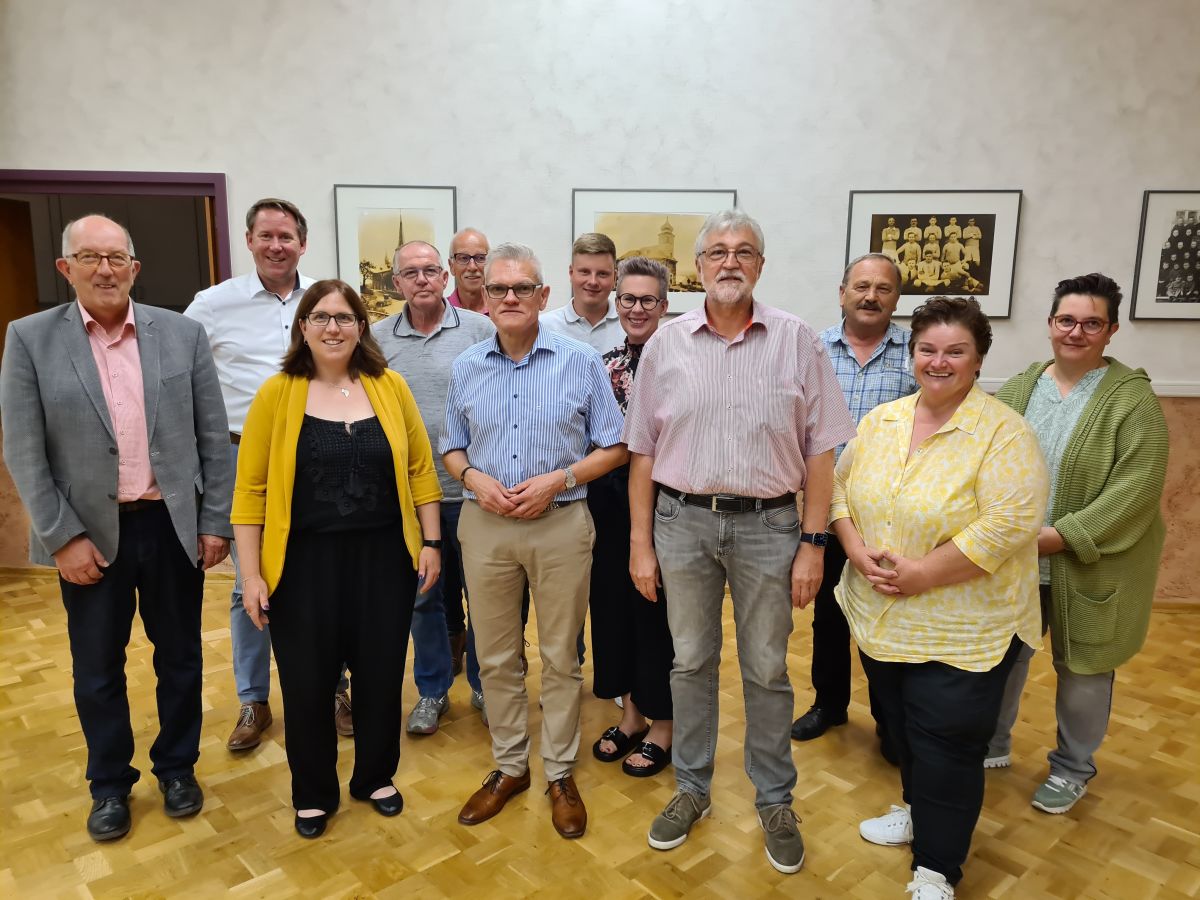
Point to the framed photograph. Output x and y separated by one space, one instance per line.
1166 279
947 243
661 225
372 220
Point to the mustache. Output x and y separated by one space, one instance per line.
870 305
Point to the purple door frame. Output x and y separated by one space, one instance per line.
143 184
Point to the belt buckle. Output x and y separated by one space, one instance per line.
715 498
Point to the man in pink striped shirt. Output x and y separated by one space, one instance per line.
735 410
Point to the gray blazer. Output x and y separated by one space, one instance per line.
59 442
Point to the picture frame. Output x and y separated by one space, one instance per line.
661 224
371 220
985 226
1166 276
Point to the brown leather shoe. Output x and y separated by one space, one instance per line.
458 646
490 799
253 720
566 807
343 718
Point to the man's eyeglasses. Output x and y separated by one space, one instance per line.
520 291
629 301
1066 324
430 273
743 255
464 259
90 259
321 319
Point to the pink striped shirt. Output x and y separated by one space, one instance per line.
120 370
738 416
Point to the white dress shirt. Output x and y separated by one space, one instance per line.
249 330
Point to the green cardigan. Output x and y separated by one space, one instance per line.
1106 507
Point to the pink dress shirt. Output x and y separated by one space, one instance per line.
120 370
738 416
454 300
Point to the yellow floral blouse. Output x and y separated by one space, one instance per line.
979 481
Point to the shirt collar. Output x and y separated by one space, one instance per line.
89 320
256 283
966 417
403 326
894 334
572 316
543 341
700 319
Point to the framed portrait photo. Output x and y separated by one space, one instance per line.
946 243
661 225
1166 279
372 220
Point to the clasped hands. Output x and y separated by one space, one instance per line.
890 573
526 500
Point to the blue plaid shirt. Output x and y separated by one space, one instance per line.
887 376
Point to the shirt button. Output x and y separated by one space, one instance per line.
514 427
514 456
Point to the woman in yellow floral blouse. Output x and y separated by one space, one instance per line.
938 502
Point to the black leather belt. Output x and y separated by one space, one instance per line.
728 503
135 505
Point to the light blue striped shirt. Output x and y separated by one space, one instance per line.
887 376
521 419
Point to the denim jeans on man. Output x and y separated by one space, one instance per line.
698 551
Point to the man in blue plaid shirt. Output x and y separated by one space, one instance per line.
870 356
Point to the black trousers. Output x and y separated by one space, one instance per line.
151 572
343 596
452 581
632 651
940 719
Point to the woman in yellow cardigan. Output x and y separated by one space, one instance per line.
336 516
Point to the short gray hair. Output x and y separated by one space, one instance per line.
66 235
729 220
651 268
514 253
396 254
883 257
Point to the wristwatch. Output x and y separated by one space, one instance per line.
817 539
436 545
569 482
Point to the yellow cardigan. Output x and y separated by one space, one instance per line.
266 467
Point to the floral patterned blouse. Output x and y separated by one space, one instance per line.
622 363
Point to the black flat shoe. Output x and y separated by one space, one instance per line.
659 760
181 796
109 819
624 743
816 722
390 805
311 826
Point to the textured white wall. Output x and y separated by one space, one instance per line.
1083 104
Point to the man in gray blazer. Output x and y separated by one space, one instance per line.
115 434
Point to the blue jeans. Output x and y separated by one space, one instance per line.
450 514
698 552
431 643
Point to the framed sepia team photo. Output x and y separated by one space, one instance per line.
372 220
1166 279
661 225
946 243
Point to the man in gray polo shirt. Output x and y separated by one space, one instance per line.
421 342
590 315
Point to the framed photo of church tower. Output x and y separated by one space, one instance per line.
1166 278
659 224
372 220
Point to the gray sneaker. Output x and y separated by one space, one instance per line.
670 828
785 847
478 702
1057 795
424 717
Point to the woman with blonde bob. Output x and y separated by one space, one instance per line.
336 514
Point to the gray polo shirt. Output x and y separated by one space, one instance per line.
424 361
603 336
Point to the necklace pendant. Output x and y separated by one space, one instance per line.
345 391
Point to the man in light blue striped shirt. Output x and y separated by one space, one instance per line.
871 360
530 420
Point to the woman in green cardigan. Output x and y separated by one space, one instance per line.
1105 440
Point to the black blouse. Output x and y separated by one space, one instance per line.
345 477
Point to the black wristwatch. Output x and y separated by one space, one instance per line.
817 539
436 545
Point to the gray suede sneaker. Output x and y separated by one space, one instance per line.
670 828
785 847
424 717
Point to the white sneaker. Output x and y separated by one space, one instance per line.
891 829
930 885
998 762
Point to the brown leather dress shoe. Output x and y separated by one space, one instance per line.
490 799
253 720
343 718
458 646
566 807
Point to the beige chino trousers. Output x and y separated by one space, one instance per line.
554 553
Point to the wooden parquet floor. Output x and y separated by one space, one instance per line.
1135 835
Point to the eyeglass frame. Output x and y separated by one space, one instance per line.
331 317
635 300
709 254
478 258
532 289
1056 321
410 273
108 257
